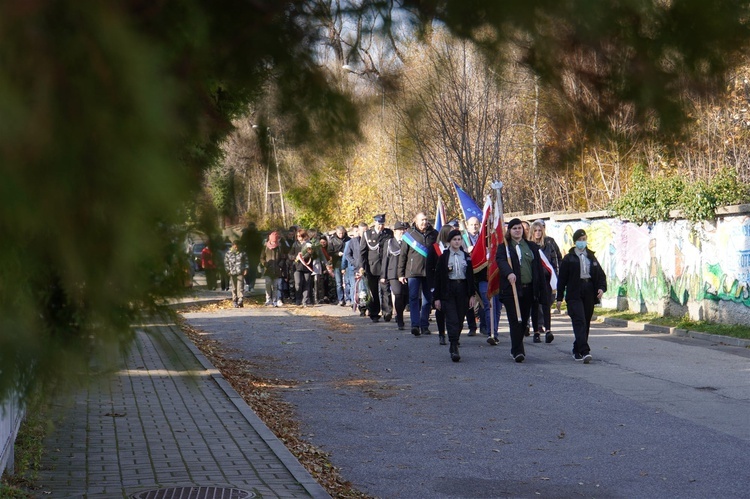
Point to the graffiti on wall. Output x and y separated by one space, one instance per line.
674 260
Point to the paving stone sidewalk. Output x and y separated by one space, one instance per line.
167 419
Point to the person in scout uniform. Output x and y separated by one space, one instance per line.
522 282
454 288
582 282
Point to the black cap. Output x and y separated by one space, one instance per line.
578 234
401 226
379 218
514 222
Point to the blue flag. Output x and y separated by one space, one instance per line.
468 206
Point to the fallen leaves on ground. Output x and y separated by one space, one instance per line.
260 394
214 306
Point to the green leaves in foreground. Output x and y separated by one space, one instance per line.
651 198
91 186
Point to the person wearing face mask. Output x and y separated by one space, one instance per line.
582 282
454 288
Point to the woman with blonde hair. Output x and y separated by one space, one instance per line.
548 246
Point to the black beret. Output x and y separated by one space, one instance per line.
514 222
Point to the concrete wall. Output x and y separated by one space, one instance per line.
11 416
672 268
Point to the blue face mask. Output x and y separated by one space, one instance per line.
581 245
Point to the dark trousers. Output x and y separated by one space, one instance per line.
302 285
580 313
373 284
518 327
440 321
211 278
386 304
471 319
400 299
544 314
454 307
380 294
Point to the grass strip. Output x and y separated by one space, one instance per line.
29 450
685 322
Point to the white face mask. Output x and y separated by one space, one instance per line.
581 245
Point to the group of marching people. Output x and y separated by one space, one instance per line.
382 272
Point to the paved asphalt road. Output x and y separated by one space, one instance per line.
653 416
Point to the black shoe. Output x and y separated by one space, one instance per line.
375 318
492 341
387 317
362 312
442 339
578 357
425 330
537 339
415 331
239 304
519 357
527 332
455 357
472 332
401 327
483 330
587 358
549 337
342 303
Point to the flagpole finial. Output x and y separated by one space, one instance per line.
497 185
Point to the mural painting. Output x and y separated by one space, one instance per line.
675 262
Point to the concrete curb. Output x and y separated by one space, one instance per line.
642 326
285 456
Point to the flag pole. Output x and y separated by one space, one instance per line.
488 245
